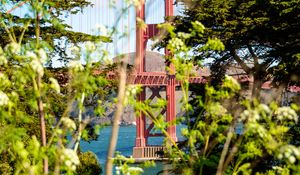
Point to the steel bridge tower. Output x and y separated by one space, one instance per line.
146 79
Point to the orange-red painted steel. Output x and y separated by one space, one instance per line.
141 139
171 105
153 79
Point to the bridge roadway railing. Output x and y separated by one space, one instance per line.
150 152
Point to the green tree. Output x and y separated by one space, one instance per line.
226 133
55 33
261 37
34 107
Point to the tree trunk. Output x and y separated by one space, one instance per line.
279 93
256 88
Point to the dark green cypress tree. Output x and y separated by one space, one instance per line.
260 36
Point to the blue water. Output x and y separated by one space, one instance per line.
125 144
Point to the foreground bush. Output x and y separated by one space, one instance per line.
89 164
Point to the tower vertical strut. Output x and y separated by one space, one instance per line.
142 149
171 105
139 68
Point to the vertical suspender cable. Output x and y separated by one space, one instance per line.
107 15
80 22
91 19
122 27
128 33
111 45
117 26
87 19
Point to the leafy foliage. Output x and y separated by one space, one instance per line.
55 33
35 102
261 37
89 164
226 133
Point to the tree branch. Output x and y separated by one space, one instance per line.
255 57
244 66
233 151
225 151
117 116
80 128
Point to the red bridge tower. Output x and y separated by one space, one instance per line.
142 149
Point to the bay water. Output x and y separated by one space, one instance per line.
125 144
